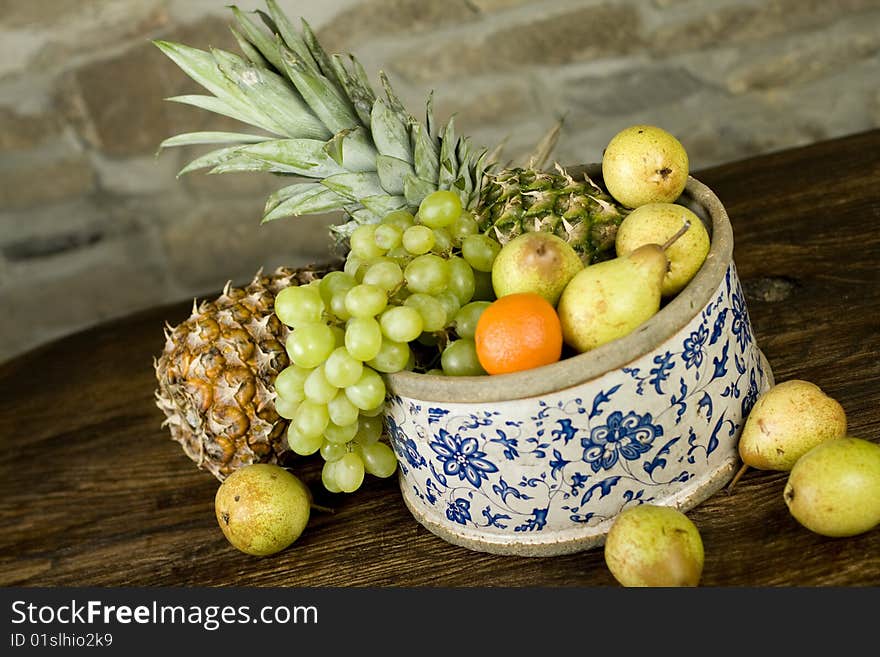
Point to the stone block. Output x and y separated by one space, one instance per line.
74 290
118 103
36 229
25 131
31 180
734 24
807 57
624 92
135 175
483 101
580 34
216 242
373 19
46 36
487 6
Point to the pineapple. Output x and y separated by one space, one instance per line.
320 119
216 375
319 123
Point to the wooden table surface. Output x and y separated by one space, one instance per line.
94 492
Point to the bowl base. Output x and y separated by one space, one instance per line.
566 542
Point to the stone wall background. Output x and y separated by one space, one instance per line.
93 225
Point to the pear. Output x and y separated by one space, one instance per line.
651 545
262 508
644 164
787 421
538 262
607 300
657 222
834 489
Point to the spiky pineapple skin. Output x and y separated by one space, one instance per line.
216 375
519 200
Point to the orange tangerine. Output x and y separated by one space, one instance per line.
518 332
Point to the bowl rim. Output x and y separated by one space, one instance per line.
575 370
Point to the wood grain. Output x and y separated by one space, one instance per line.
94 492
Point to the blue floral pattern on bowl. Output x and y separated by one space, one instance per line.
558 468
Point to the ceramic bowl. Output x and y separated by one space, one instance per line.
540 462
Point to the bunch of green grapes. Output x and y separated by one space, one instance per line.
407 279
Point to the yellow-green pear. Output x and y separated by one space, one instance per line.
538 262
262 508
651 545
834 489
607 300
644 164
654 223
787 421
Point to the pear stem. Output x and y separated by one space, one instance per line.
322 509
737 477
681 231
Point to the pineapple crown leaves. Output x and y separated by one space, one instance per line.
366 155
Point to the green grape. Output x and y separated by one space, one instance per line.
352 264
436 371
450 302
341 368
348 472
363 242
299 304
379 460
317 388
392 357
400 255
302 444
440 208
401 323
400 218
341 410
466 319
483 290
340 434
463 226
328 477
418 239
459 358
289 383
385 274
369 430
388 236
286 408
337 304
442 241
431 310
376 411
311 419
368 392
363 338
461 279
366 300
480 251
356 267
335 281
309 345
333 451
428 274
